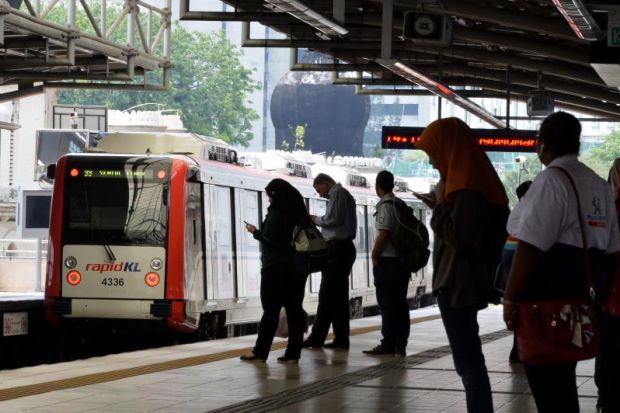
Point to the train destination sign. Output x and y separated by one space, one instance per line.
491 140
148 174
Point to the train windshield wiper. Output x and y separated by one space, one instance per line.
98 231
105 245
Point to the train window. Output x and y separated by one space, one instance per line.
359 277
118 201
194 257
219 214
316 207
248 249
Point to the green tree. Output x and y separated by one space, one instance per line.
377 151
208 85
601 158
300 132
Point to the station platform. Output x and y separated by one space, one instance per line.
10 299
209 376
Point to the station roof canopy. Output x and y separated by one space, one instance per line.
72 44
457 49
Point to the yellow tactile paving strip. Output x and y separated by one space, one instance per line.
96 378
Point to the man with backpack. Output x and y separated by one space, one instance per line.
390 266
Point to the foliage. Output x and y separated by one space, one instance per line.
377 152
610 149
300 132
208 85
601 158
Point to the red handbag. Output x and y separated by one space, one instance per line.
559 330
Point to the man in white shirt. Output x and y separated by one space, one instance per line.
391 278
549 260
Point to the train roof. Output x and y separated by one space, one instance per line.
219 162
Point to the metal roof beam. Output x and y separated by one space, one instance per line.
531 81
440 89
577 73
502 17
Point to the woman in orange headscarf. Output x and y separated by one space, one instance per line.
470 209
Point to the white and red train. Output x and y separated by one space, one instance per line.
161 237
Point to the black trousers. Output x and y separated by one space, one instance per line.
554 387
281 287
334 294
607 367
391 280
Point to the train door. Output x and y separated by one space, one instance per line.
194 255
372 235
316 207
423 215
359 278
247 207
219 242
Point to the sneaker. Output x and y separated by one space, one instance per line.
287 359
400 353
308 343
378 351
336 346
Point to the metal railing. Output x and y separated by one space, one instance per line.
137 39
23 249
15 252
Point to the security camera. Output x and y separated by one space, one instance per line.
520 159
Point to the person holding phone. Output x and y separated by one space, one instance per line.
280 286
470 210
339 227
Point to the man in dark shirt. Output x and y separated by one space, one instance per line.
339 226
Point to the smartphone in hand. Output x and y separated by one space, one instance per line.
428 199
246 223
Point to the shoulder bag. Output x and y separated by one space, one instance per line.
560 330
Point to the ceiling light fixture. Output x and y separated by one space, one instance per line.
304 13
579 19
418 78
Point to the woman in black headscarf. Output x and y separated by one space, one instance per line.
280 286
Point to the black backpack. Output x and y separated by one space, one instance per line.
410 237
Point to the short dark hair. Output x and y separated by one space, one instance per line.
323 179
560 131
385 181
522 189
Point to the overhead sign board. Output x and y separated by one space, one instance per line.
491 140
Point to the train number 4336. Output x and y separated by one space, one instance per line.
113 282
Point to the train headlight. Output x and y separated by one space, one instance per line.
70 262
156 264
151 279
74 277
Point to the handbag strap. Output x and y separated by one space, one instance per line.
586 256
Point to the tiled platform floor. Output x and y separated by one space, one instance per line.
324 381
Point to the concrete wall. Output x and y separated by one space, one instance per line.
19 275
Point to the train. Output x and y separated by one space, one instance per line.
153 235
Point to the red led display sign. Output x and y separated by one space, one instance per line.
491 140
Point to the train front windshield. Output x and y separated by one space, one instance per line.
116 201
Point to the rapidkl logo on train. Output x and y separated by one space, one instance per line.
114 267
